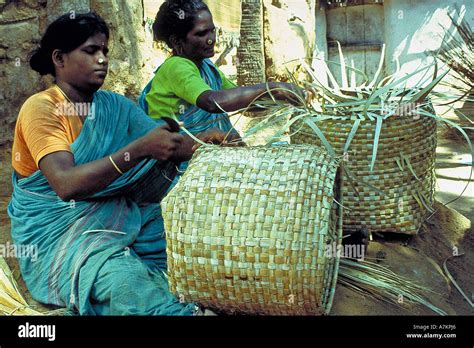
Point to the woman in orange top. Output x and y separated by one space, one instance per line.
81 157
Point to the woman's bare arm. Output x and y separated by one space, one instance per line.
240 97
75 182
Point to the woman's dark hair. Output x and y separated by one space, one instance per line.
176 17
66 34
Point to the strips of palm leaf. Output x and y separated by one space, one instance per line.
11 300
457 51
380 283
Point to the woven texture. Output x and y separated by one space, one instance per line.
404 170
247 230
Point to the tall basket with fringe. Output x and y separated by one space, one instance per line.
398 192
247 230
386 132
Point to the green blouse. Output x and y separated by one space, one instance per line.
177 85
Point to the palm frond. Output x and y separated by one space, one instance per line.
381 283
457 50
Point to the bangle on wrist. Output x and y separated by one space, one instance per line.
115 165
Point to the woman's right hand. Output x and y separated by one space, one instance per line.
161 144
287 91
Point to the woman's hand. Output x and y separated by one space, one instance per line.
212 136
162 144
309 93
218 137
185 150
287 91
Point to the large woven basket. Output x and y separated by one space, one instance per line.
247 230
403 171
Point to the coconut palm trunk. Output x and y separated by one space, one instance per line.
250 54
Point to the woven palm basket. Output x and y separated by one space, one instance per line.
403 172
247 230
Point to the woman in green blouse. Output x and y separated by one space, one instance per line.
188 86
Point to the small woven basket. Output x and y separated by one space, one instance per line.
403 171
247 230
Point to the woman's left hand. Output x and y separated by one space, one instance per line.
218 137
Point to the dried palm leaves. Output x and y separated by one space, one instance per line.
382 284
11 301
457 51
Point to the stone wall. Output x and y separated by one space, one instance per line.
131 52
21 26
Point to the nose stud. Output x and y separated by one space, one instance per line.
209 42
100 61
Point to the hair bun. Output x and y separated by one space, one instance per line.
41 62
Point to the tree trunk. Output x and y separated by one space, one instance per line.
250 54
289 36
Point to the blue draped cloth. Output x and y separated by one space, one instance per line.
105 254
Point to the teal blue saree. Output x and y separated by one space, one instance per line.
104 255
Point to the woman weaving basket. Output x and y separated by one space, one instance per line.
188 85
83 180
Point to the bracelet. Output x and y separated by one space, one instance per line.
116 167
